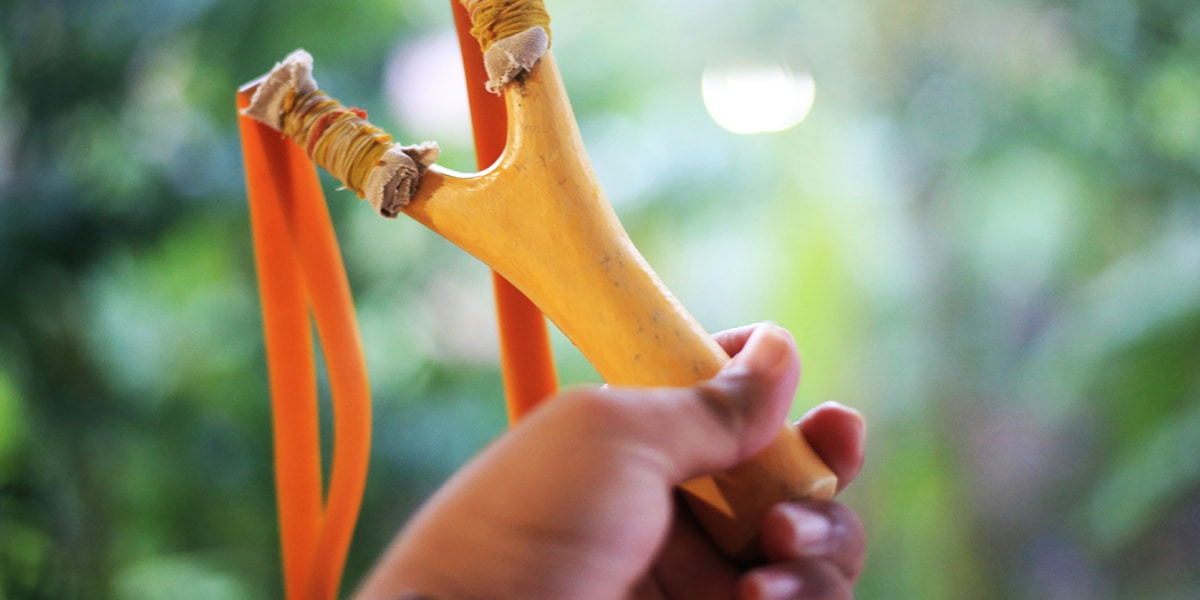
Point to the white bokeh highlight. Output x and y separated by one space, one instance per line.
757 99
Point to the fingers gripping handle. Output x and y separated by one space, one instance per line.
731 505
633 330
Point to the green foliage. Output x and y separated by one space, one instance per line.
986 236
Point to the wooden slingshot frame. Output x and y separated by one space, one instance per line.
539 219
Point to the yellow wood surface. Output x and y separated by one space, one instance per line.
540 219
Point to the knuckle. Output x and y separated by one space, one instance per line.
721 404
849 539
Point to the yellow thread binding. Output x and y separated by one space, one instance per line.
335 137
493 20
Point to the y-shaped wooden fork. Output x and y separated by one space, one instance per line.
539 218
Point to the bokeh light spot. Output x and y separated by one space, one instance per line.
757 99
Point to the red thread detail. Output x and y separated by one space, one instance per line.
318 129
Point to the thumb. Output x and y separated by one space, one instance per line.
725 420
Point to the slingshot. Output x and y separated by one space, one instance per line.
537 217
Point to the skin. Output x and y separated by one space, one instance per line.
578 501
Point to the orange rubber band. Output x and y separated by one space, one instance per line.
301 267
525 354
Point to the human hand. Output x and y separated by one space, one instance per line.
577 501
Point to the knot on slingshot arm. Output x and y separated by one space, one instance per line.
513 34
340 139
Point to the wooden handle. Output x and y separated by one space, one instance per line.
539 218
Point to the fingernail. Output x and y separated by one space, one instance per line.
765 351
777 586
810 529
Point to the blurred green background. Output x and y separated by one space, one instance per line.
985 235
